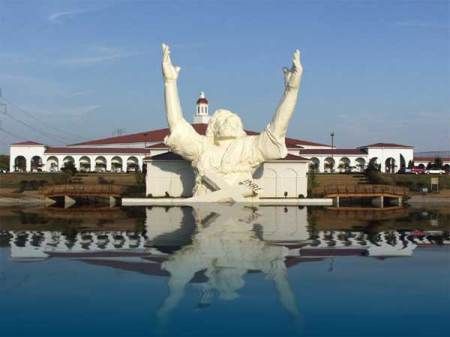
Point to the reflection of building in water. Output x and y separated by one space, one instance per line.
168 229
215 246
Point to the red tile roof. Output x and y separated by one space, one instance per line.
352 152
293 157
157 146
174 156
430 158
113 150
152 136
202 100
27 142
387 145
293 142
166 156
158 135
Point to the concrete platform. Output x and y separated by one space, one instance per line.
189 202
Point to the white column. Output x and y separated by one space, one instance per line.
28 164
11 163
108 163
321 164
92 169
76 162
124 164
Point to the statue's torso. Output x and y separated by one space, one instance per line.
228 161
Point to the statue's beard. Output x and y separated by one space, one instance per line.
226 132
217 137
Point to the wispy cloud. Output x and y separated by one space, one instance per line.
58 17
99 55
88 7
79 93
32 85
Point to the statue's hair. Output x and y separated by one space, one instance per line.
219 117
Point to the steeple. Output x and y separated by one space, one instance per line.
201 110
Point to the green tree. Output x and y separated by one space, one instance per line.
69 167
4 162
438 163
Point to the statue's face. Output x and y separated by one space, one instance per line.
228 126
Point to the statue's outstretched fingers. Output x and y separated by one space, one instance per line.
296 57
166 53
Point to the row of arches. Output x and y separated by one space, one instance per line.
84 164
20 164
345 164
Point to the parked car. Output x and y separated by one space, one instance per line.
417 170
404 170
435 171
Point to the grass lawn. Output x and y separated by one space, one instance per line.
414 182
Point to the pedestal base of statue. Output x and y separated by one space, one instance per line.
247 201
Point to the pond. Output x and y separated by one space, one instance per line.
224 271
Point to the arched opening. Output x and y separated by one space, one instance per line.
53 164
373 164
132 164
36 164
421 166
390 165
100 164
402 162
116 164
69 164
329 164
20 164
68 159
344 165
446 167
85 164
360 164
314 164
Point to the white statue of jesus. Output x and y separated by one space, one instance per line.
226 156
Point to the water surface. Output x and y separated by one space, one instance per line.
224 271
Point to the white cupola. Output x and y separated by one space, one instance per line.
201 110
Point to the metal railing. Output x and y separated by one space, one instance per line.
82 190
360 190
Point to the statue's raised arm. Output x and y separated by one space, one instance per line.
172 100
292 80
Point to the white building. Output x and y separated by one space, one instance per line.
131 152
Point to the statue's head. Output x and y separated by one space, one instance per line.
225 124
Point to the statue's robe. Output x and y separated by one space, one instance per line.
234 162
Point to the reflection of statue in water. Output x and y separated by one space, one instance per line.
226 155
226 248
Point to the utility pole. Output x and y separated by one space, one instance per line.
118 132
332 150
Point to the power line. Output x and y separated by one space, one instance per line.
17 120
9 133
30 114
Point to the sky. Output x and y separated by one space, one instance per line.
374 71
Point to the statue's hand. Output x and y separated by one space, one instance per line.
170 72
293 76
